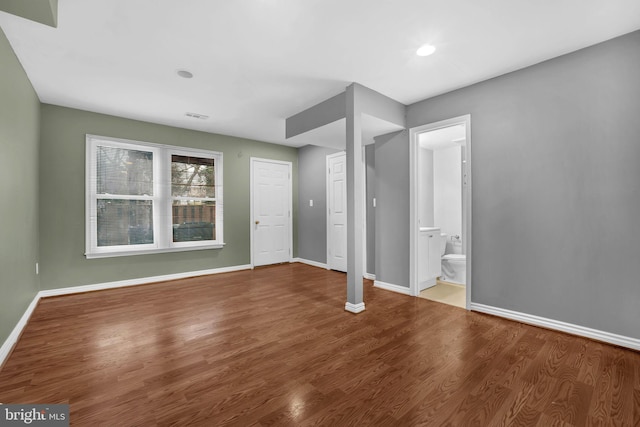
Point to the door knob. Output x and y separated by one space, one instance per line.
257 222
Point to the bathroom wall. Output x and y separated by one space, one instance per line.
425 188
556 191
447 190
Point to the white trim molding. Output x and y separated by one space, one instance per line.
607 337
310 262
354 308
140 281
391 287
12 339
326 267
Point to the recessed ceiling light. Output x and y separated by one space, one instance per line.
185 74
425 50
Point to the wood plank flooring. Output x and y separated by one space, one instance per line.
274 346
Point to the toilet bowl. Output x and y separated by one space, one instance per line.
454 266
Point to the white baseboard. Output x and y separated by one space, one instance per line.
309 262
391 287
633 343
326 267
12 339
354 308
140 281
15 334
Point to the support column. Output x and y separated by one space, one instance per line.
355 197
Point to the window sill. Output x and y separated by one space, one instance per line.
152 251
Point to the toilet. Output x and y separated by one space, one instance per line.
454 266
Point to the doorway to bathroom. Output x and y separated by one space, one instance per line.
440 211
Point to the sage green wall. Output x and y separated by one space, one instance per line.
42 11
19 117
62 192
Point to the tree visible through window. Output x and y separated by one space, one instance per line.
123 172
193 192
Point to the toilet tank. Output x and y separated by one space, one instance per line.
443 243
456 247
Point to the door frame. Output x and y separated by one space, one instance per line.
252 162
414 134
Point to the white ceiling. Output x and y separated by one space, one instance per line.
257 62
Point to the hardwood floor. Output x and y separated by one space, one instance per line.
274 346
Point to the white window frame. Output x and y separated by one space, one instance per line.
161 198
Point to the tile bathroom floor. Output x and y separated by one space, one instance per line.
447 293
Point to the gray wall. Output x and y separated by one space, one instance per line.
19 117
370 159
392 208
62 190
556 186
312 220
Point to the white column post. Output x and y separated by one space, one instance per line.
355 204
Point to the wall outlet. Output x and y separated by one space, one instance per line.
311 203
374 202
37 269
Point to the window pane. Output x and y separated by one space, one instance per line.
192 176
124 222
122 171
193 221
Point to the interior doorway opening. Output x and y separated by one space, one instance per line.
440 211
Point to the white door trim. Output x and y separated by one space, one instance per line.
252 162
364 204
413 199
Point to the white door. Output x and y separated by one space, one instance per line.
271 211
337 211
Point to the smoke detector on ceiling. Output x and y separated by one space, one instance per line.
185 74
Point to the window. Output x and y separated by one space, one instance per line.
146 198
